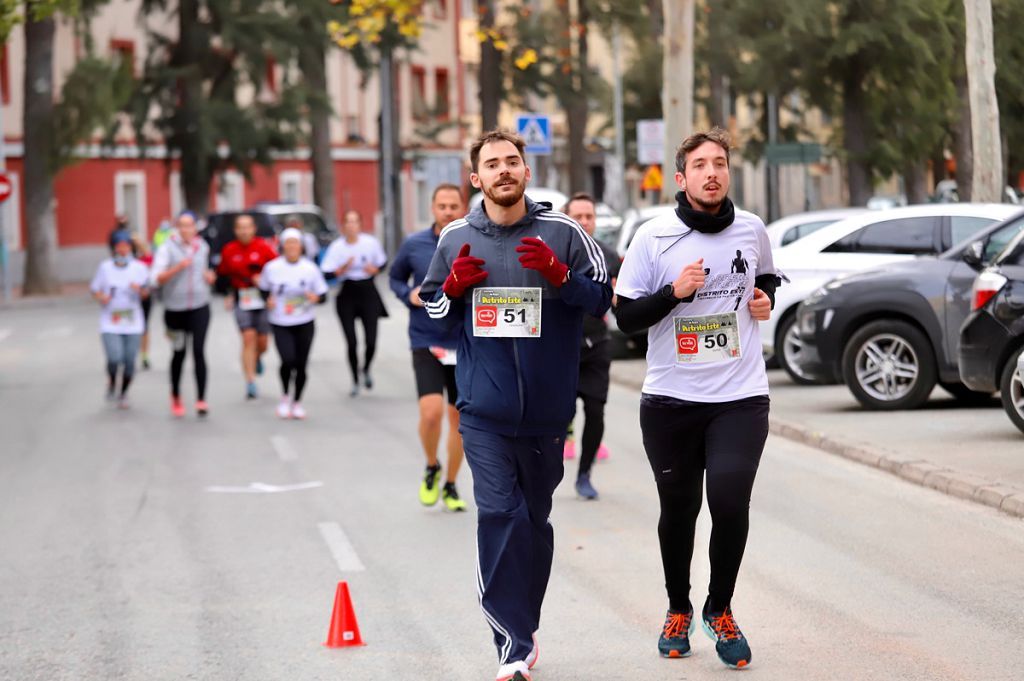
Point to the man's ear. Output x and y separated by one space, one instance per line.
680 180
474 180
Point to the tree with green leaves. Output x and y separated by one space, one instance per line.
193 81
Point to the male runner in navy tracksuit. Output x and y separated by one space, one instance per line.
517 278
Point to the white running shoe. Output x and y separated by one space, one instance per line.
514 671
284 408
298 412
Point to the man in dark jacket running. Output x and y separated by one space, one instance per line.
517 278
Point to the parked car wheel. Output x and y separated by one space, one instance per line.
1012 388
788 351
888 364
965 395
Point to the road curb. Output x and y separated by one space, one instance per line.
1004 498
1009 500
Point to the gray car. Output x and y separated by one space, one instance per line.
891 334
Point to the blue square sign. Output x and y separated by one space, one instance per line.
535 129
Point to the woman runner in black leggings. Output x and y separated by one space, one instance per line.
704 409
293 285
181 270
355 259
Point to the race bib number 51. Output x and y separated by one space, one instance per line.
711 338
506 312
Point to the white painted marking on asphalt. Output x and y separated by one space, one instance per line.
5 334
341 548
264 488
57 332
284 449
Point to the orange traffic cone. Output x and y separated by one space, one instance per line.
344 629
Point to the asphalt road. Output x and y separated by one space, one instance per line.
118 562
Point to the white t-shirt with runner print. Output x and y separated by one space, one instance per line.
123 314
289 283
365 251
708 350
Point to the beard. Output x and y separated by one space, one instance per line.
506 200
710 206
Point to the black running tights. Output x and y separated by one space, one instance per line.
684 441
180 325
293 344
360 304
593 431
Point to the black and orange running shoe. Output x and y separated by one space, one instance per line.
730 643
675 634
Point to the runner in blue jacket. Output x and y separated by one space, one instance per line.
517 279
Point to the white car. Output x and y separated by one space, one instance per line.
537 194
634 219
785 231
865 241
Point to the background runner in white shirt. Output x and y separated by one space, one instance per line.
120 285
294 285
355 259
700 279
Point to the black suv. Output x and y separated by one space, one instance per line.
271 219
992 338
892 333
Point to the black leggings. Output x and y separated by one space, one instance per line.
359 299
685 440
593 432
180 325
293 344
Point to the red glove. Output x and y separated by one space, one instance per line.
537 255
465 272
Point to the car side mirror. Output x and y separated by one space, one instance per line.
973 254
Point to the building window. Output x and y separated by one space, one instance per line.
441 94
353 131
130 199
271 74
5 77
295 186
420 110
123 52
230 191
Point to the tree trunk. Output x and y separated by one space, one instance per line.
41 252
677 92
717 111
858 175
312 56
577 109
490 70
196 168
962 149
985 136
915 181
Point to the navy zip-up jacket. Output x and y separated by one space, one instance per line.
520 386
413 260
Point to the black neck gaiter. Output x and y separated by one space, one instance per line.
705 223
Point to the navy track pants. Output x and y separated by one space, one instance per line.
513 480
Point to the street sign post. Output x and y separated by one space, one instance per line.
793 153
535 129
650 141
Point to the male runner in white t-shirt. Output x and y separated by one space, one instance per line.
701 279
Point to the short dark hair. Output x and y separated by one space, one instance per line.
579 196
716 135
498 135
446 187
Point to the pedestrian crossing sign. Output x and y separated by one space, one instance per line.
535 129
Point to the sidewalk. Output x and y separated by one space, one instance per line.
68 293
971 453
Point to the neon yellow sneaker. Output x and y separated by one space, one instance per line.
451 498
430 491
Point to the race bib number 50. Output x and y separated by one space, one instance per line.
711 338
506 312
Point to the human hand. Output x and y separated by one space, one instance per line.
537 255
414 297
465 273
209 276
689 280
760 306
312 297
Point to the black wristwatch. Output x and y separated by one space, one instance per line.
668 292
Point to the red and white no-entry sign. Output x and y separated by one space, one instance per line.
5 187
